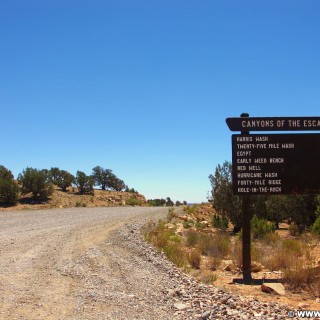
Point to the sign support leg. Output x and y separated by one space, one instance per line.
246 240
246 230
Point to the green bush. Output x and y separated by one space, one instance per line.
261 227
315 228
176 254
171 214
9 190
84 183
188 224
133 202
217 245
192 238
219 222
63 179
36 182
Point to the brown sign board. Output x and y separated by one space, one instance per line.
276 164
274 124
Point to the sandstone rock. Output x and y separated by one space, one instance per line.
303 305
256 267
181 306
273 288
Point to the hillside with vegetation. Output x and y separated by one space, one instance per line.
55 188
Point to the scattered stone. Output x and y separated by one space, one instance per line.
181 306
205 315
303 305
273 288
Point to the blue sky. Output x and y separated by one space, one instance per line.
143 87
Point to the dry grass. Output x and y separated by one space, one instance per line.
203 250
194 258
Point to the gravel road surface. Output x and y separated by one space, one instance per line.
92 263
66 264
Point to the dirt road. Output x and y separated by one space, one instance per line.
72 264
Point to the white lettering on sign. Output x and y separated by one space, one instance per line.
287 145
243 153
273 182
294 123
249 175
244 139
267 163
275 189
243 160
257 123
260 160
261 139
311 123
254 168
271 174
276 160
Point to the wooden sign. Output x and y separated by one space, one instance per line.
274 124
276 164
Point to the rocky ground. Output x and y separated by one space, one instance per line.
93 263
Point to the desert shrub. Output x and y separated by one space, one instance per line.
188 224
36 182
219 222
194 258
217 245
192 238
271 239
236 253
175 238
294 246
214 263
167 241
9 190
171 214
294 230
200 225
315 228
160 236
190 209
176 254
133 202
286 256
303 278
208 278
261 227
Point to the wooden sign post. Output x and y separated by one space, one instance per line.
265 164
